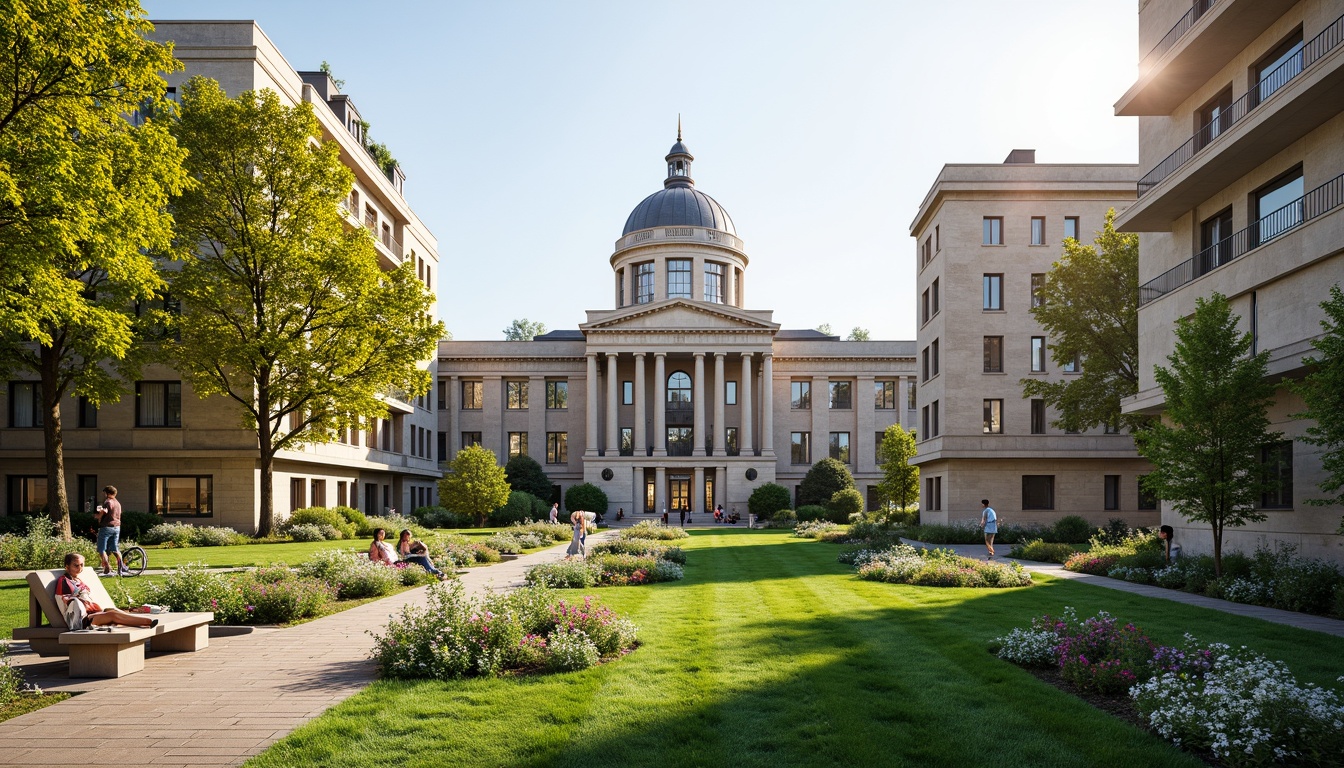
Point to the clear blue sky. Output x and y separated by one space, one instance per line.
529 130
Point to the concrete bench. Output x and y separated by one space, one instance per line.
101 653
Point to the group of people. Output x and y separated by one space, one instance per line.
408 550
725 517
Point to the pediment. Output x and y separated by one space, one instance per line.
679 315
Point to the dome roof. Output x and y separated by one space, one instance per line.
679 206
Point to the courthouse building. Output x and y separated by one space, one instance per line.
679 396
1241 148
190 459
985 238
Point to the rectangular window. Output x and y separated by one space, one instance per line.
993 421
1038 354
713 282
627 393
910 393
620 287
934 294
731 439
557 395
644 282
992 293
1037 289
1215 242
842 395
926 307
342 494
1037 417
877 446
517 444
936 431
678 278
88 413
937 239
679 441
993 354
27 495
1038 491
89 495
1073 364
730 393
1278 207
471 438
473 395
443 447
840 447
1278 461
1214 118
993 231
933 492
1111 492
557 447
934 349
158 404
800 447
1276 69
25 404
926 252
801 392
1147 501
1038 230
924 364
1071 227
443 395
182 495
924 421
515 395
317 493
627 441
884 395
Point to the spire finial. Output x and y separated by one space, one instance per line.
678 126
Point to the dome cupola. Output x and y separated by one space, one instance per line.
679 203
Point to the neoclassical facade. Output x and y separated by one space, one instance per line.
678 397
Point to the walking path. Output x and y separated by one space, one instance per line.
219 706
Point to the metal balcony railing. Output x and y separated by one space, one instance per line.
1197 10
1318 46
1313 204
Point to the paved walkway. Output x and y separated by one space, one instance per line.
222 705
1290 618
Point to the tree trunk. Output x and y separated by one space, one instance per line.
58 504
266 523
1217 550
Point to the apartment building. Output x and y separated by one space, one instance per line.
189 458
1241 145
985 238
679 396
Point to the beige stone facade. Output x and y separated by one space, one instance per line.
1241 145
984 236
679 397
189 458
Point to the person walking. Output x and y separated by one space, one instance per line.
555 512
109 531
682 514
989 521
580 525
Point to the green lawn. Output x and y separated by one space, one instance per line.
770 653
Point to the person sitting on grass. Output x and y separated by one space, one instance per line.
413 551
380 551
69 588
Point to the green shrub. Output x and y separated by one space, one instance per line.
938 568
486 554
320 516
844 503
1296 583
519 509
352 575
586 497
1071 529
312 532
394 526
1042 551
1087 562
814 529
970 533
651 547
553 531
190 587
12 681
188 535
652 529
767 500
273 595
523 473
823 481
813 513
438 517
39 547
352 515
1338 609
565 574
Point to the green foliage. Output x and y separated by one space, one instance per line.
285 310
858 334
41 547
1090 308
83 202
846 502
1071 529
939 568
353 575
525 474
822 481
190 588
520 508
134 524
900 478
187 535
352 515
475 484
1042 551
768 499
523 330
326 69
565 574
438 517
322 516
652 529
553 531
1323 392
586 497
1206 453
809 513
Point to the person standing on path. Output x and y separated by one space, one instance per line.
580 525
682 514
555 512
109 531
989 520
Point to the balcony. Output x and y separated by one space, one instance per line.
1209 36
1316 203
384 239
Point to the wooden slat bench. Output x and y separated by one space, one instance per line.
97 653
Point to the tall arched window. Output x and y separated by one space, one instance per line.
678 388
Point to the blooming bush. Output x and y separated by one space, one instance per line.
557 532
1104 656
1131 573
652 529
1086 562
814 529
1028 647
652 547
353 575
320 516
565 574
904 564
514 542
190 587
40 547
314 532
188 535
571 650
273 595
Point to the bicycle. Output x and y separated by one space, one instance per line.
133 560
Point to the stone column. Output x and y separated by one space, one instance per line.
590 396
613 445
698 489
729 285
640 443
637 498
744 441
454 417
821 418
660 407
767 404
721 485
720 429
698 393
536 418
865 424
660 491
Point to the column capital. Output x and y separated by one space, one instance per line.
697 354
659 354
593 355
767 354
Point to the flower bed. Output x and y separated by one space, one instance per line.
651 529
904 564
1237 705
816 529
654 547
529 629
606 569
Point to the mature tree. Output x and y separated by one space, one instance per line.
825 328
767 499
587 497
525 474
1090 306
900 478
858 334
1323 392
475 483
284 309
822 481
1207 453
523 330
83 197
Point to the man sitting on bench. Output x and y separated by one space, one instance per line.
69 588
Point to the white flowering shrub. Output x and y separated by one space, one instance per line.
571 650
1246 710
1247 590
814 529
308 532
1136 574
1028 648
353 574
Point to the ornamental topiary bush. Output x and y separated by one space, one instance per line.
520 508
586 497
822 481
768 499
845 503
812 513
1043 552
